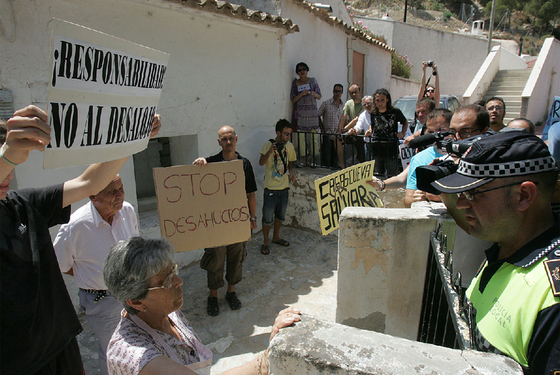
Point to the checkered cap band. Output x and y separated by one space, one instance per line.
513 168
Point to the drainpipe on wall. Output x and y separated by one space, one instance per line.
7 21
491 27
349 63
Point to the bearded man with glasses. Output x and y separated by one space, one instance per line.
502 191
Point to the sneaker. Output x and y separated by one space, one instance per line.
232 300
212 308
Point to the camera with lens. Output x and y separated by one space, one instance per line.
279 146
430 63
425 175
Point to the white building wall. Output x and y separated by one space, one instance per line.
324 48
458 56
543 84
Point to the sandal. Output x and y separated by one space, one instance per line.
232 300
281 242
265 250
212 308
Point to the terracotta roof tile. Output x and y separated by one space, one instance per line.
240 12
348 29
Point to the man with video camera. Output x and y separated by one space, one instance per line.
468 121
503 189
437 122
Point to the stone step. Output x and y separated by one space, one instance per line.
509 83
514 73
507 98
503 92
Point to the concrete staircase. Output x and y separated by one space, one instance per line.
508 85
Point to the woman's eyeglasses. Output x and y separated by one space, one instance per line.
168 282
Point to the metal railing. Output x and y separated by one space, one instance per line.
444 315
335 151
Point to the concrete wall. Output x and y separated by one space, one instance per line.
382 255
400 87
316 347
484 77
449 50
543 83
509 60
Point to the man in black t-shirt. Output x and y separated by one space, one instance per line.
38 323
214 258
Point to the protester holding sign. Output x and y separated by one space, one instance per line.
278 155
37 319
214 257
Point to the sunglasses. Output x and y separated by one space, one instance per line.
430 90
337 91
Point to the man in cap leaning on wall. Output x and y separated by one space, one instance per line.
503 186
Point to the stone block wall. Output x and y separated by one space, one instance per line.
315 347
382 255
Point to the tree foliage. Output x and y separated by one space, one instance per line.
543 10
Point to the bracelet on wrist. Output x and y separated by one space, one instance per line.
382 185
254 218
2 150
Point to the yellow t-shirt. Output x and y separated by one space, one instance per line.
276 176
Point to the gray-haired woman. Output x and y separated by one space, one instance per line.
153 336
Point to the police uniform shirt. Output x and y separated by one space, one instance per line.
516 313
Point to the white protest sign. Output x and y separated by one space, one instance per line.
102 96
203 206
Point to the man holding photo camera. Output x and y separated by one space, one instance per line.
278 154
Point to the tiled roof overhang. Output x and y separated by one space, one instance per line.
337 22
239 12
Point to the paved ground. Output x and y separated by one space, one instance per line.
302 275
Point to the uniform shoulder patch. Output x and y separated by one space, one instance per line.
553 272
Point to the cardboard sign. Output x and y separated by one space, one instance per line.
553 117
203 206
343 189
406 155
102 96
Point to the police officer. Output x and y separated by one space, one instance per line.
503 187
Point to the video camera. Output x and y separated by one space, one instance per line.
425 175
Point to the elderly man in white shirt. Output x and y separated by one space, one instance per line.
81 248
364 124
